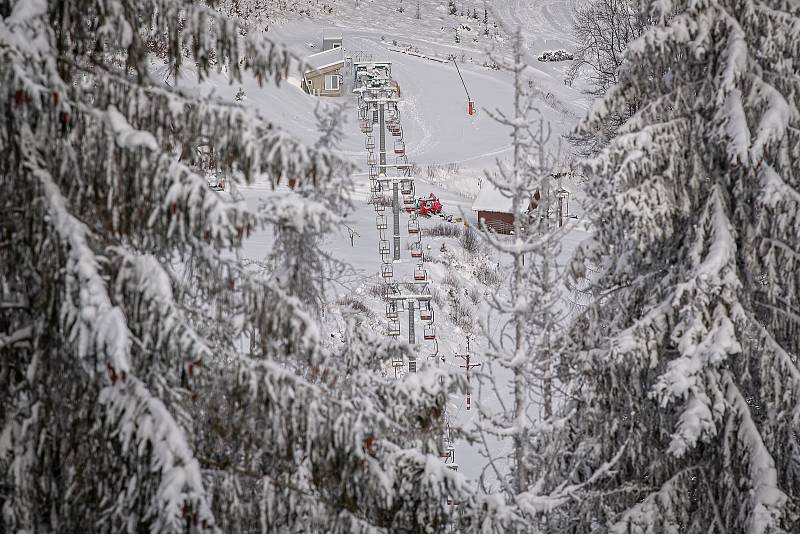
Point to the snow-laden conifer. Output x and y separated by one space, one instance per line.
126 402
685 376
526 313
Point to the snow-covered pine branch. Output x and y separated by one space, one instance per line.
689 351
121 350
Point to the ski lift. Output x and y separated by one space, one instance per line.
373 172
416 250
399 147
366 126
371 159
386 270
398 132
429 333
420 274
397 361
407 187
394 328
425 311
380 222
383 247
391 310
370 142
378 203
386 290
412 366
413 226
362 113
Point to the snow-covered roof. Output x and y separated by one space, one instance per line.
320 60
492 199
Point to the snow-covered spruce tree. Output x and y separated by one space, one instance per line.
524 316
686 381
111 347
297 263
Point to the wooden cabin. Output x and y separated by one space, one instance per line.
323 75
495 209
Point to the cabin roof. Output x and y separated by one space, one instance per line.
492 199
320 60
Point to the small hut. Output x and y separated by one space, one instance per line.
495 209
323 76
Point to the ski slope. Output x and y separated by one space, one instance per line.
438 133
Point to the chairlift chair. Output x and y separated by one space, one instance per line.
429 333
399 147
398 132
409 202
413 226
420 274
386 290
394 328
407 187
425 314
380 222
373 172
377 201
416 250
383 246
372 159
386 270
370 143
391 310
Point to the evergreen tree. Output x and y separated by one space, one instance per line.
526 314
685 372
127 404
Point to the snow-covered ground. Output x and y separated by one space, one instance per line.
451 148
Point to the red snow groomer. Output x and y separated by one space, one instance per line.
429 206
